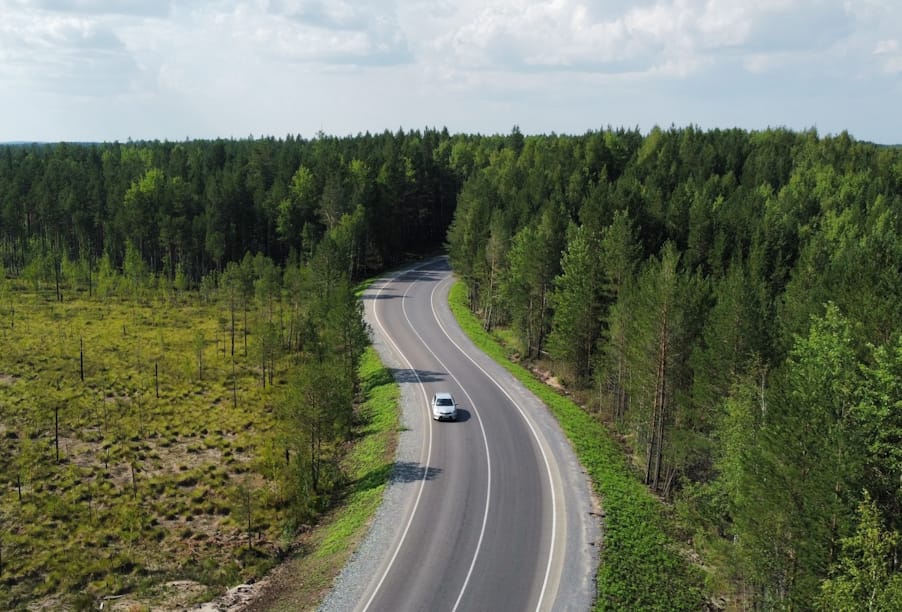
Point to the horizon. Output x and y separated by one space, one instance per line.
106 71
252 137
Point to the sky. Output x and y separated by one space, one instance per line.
105 70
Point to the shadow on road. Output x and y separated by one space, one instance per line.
420 275
408 471
402 471
407 375
381 296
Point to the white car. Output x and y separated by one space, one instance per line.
443 407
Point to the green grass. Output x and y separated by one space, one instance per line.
138 473
147 488
367 466
641 567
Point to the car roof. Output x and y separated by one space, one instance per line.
443 395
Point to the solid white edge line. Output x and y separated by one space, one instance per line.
541 448
488 458
485 441
429 446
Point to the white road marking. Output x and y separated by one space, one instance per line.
429 446
538 442
488 456
485 443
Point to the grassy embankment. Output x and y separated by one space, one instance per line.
641 568
368 466
136 451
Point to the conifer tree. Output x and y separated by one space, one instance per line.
793 491
576 303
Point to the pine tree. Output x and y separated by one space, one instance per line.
791 489
865 577
652 317
576 302
620 253
534 262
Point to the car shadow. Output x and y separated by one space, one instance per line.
462 416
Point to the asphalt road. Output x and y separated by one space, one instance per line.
491 512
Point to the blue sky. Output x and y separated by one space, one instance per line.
151 69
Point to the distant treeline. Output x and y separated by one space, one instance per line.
191 207
732 303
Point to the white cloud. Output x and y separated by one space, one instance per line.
889 53
64 53
337 14
613 38
155 8
886 47
235 65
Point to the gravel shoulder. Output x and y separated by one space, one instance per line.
576 587
366 561
577 576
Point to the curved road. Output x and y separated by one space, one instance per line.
491 512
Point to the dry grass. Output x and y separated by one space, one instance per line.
143 491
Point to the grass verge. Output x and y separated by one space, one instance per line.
368 464
641 567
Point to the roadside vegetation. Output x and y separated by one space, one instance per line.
727 304
165 444
305 580
642 566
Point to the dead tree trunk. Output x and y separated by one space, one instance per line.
56 430
655 446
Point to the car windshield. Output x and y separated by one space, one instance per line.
444 401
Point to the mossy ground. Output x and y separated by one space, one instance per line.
130 437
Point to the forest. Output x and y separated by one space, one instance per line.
727 302
190 208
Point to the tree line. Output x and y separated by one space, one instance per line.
186 208
730 302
